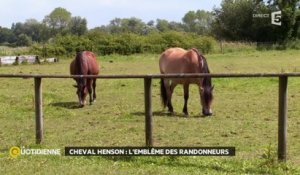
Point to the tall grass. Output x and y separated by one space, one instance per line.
231 47
7 51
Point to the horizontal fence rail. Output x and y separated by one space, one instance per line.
155 76
282 98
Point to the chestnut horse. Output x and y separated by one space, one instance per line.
85 63
178 60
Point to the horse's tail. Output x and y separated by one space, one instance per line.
163 93
79 67
78 63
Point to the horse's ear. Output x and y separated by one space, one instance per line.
212 88
75 86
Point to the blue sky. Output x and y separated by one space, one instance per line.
100 12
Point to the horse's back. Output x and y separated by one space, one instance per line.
91 60
86 64
178 60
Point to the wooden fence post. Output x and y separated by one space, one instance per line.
148 111
38 110
282 118
221 46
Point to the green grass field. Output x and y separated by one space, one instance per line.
245 116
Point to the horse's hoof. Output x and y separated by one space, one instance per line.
171 113
186 113
171 110
207 115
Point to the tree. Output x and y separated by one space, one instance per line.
37 31
18 28
134 25
235 21
199 21
296 30
115 25
150 23
6 35
162 25
58 20
289 17
23 40
176 26
78 25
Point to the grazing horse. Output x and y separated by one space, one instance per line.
178 60
85 63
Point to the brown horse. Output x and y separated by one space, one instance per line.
178 60
85 63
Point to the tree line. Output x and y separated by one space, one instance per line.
233 21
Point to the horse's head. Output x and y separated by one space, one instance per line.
206 99
81 92
206 86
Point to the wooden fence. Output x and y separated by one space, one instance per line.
282 100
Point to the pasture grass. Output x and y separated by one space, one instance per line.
245 116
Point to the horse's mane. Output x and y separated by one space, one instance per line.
204 69
206 80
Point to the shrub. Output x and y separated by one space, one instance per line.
72 43
123 43
204 44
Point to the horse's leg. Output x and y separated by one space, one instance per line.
186 97
94 89
89 87
168 90
170 106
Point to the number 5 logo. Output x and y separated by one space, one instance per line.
276 18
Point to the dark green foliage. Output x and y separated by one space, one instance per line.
23 40
78 26
123 43
63 45
6 35
58 20
47 50
199 21
236 20
73 43
155 42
